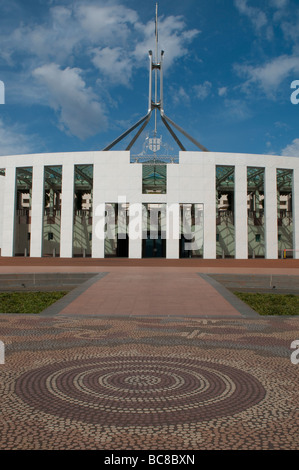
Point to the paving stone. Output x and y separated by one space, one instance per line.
158 370
229 386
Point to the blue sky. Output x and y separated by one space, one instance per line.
76 72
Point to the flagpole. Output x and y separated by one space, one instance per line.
156 71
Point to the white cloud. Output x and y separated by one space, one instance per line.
281 125
69 29
279 3
291 28
236 110
82 27
270 75
106 36
114 64
117 63
110 24
173 39
222 91
14 141
203 90
79 111
180 96
291 150
44 41
255 15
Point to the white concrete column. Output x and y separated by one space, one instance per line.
135 230
98 214
9 211
173 231
241 229
295 197
270 205
37 211
67 211
209 236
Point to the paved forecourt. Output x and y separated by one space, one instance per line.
150 287
165 383
139 292
148 358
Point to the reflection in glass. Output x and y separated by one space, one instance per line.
154 230
116 230
22 229
83 194
191 230
225 211
154 179
255 210
52 210
284 180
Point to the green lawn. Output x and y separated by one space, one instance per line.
27 302
271 304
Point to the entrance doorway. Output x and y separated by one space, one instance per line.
122 250
116 236
154 229
154 247
184 251
191 236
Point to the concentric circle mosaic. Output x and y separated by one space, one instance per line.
140 391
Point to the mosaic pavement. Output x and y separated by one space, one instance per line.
148 383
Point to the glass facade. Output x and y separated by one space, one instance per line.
83 195
52 210
22 227
165 216
255 209
284 180
225 211
116 230
154 180
154 231
191 230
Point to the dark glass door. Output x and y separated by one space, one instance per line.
154 247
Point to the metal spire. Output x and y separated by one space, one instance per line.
156 70
155 105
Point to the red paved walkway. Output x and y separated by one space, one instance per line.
150 286
151 293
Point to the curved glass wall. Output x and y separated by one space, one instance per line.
191 232
154 230
116 230
22 229
83 192
255 209
284 180
154 179
52 210
225 211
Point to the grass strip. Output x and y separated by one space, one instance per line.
28 302
271 304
